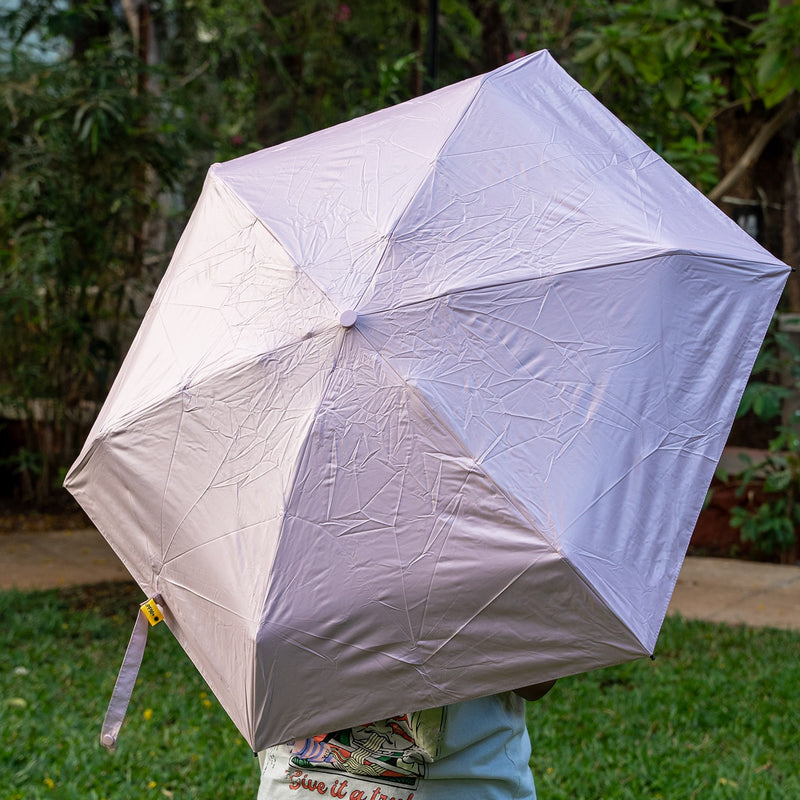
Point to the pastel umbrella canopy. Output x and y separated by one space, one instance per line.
427 404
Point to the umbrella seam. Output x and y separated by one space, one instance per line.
292 481
780 267
602 601
137 414
232 193
431 170
450 433
122 421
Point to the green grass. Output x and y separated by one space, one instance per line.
59 655
717 715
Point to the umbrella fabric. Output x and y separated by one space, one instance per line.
427 404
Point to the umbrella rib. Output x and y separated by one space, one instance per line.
411 200
740 263
257 219
222 462
186 588
446 531
230 253
124 421
202 544
587 584
399 559
622 477
301 455
167 479
644 650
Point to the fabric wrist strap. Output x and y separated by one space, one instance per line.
126 680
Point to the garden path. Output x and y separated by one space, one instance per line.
714 589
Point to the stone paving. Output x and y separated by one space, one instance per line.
713 589
738 592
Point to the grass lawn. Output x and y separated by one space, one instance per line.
59 655
717 715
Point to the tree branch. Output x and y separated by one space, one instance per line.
755 148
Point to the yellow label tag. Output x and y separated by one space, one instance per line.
151 611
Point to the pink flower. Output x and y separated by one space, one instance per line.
237 139
343 13
515 54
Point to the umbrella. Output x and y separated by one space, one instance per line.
427 404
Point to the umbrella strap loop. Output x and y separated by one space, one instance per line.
126 680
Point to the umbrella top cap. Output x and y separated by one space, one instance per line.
348 318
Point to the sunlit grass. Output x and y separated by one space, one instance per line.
717 715
59 655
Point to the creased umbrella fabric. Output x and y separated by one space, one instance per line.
491 478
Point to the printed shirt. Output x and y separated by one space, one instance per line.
475 750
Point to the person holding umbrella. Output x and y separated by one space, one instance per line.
426 404
474 749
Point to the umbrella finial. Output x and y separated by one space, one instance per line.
348 318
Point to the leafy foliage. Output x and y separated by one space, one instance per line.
108 125
772 523
777 36
80 147
764 394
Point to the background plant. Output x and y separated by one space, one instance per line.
113 110
81 148
769 516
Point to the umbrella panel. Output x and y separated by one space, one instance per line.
547 415
403 565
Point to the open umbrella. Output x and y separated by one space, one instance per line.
427 404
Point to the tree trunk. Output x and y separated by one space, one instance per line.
279 70
758 170
760 189
495 41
